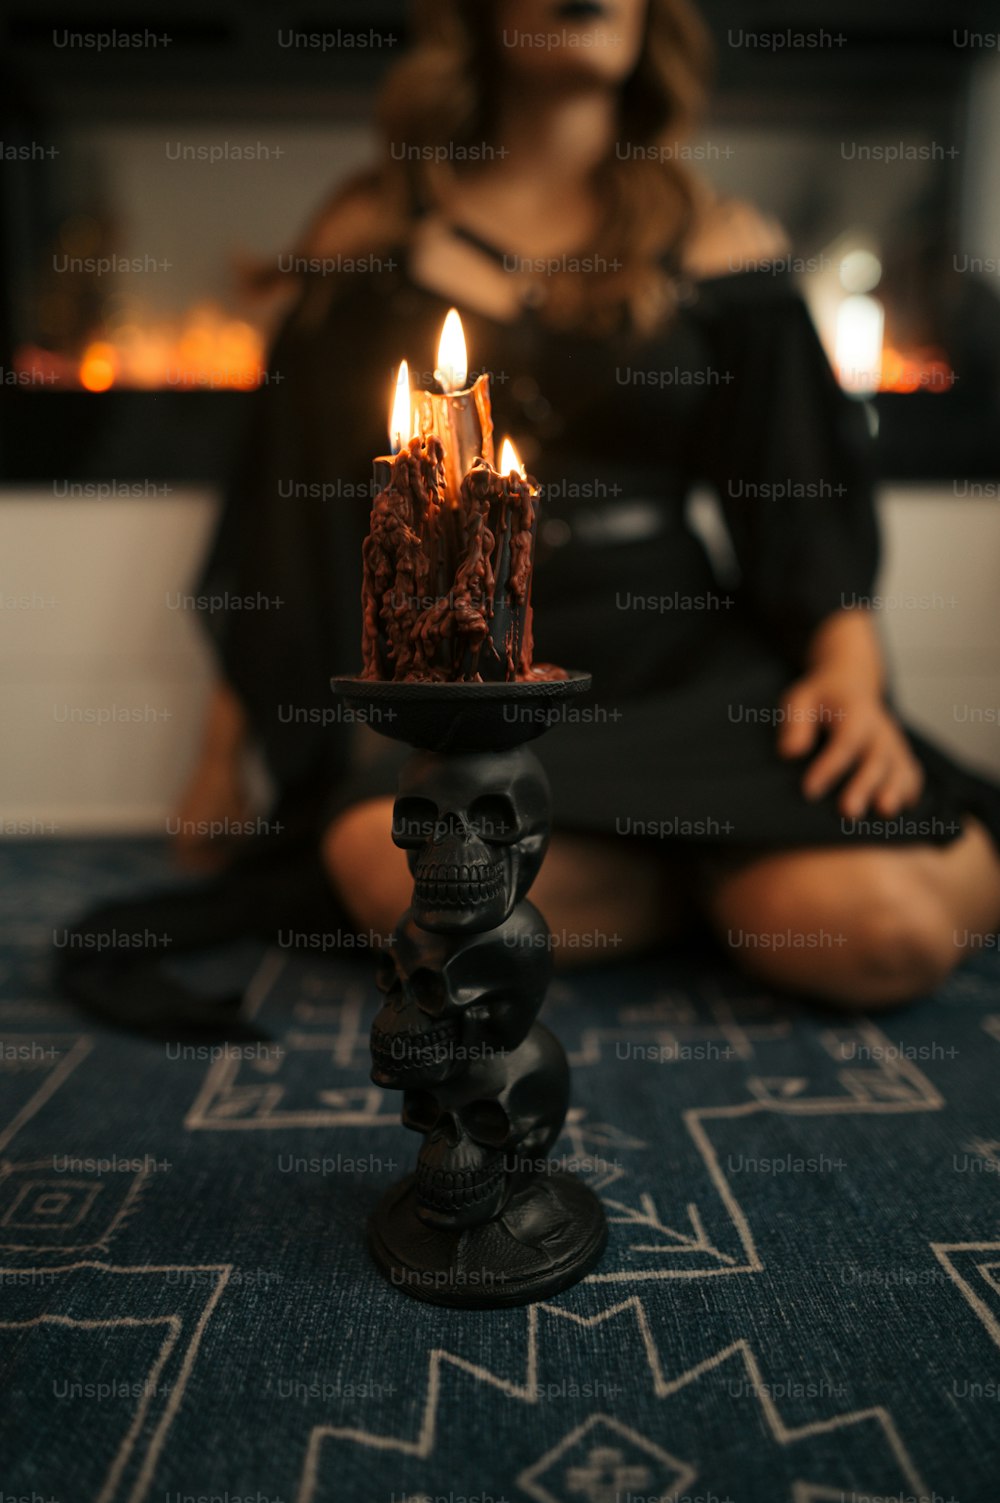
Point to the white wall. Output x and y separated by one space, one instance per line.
248 208
86 632
940 620
87 636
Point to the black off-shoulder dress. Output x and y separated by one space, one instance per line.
678 741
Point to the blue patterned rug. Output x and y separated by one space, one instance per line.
800 1300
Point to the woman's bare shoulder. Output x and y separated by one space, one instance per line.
355 220
731 235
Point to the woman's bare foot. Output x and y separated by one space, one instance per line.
210 816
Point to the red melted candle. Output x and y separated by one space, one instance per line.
447 590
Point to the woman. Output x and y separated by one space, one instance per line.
743 756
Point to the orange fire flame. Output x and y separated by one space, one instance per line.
205 349
98 367
920 370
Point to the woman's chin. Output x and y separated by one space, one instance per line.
595 41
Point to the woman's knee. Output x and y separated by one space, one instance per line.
866 931
903 945
367 871
605 899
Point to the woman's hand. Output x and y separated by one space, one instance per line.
841 694
863 737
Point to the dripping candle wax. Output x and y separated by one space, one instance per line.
447 572
403 556
507 500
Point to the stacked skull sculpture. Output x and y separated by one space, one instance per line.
463 980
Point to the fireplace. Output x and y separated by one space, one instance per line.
149 165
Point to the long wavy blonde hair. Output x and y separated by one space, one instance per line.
442 96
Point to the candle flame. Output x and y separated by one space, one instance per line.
400 424
452 358
510 460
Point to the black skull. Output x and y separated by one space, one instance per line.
487 1130
475 828
451 1000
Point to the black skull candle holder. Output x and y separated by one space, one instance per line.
487 1219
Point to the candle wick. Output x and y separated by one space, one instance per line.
446 380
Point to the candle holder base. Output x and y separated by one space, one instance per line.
489 1219
462 717
549 1235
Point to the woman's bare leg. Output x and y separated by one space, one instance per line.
856 926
